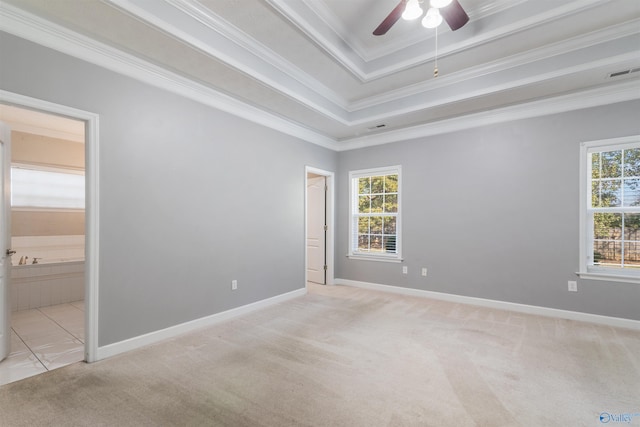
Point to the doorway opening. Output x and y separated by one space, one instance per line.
319 229
52 298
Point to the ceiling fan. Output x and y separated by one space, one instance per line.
449 10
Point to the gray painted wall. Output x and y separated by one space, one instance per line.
492 212
190 197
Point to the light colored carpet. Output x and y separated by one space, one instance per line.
343 356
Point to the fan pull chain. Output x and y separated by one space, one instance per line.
435 70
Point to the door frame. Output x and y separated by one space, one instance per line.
330 218
92 205
5 236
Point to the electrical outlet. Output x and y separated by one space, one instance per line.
234 285
424 271
405 269
573 286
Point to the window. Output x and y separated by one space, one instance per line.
374 226
610 204
46 188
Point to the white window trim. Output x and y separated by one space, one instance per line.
382 257
586 269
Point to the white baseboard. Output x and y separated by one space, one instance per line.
500 305
173 331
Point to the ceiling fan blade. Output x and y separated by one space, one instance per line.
455 15
391 19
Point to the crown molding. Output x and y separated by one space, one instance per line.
200 12
329 42
24 25
573 44
419 55
611 94
366 68
220 41
29 27
426 101
197 11
367 55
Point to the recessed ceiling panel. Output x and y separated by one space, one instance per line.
316 64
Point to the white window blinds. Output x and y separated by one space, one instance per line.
40 188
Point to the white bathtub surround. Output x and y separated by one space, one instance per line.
47 248
42 285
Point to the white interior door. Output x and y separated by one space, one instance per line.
316 233
5 239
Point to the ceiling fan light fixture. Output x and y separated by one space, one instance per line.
412 10
438 4
432 19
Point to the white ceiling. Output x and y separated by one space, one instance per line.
314 68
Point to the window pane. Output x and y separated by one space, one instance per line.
376 225
389 225
376 203
364 185
611 164
632 192
363 225
632 162
377 184
632 254
363 242
364 204
376 243
391 184
595 166
632 226
607 226
391 203
607 194
607 253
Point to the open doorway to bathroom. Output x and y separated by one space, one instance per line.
46 296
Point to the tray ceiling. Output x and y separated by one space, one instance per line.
314 65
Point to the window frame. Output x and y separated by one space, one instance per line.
587 269
353 253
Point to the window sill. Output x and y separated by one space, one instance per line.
44 209
592 275
374 258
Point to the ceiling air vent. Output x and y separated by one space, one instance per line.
624 72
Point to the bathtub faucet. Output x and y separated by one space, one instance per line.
35 260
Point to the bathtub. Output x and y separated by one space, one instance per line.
51 261
51 281
47 249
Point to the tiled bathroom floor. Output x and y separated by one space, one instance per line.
43 339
